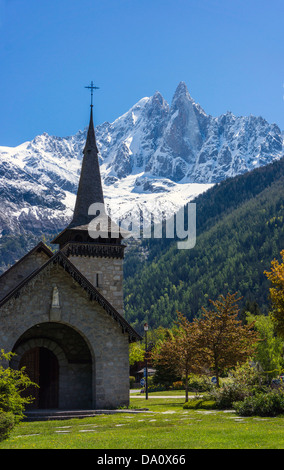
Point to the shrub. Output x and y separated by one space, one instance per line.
199 383
199 403
261 404
12 384
7 422
178 385
131 381
243 382
150 380
228 394
157 388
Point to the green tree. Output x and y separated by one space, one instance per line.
269 349
12 384
167 371
136 353
276 276
224 340
180 352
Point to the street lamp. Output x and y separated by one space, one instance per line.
146 359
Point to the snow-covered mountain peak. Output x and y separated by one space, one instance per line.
154 156
181 91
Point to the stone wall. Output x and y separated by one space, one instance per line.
110 277
107 344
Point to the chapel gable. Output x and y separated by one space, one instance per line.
29 263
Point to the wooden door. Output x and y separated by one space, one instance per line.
48 379
30 360
42 368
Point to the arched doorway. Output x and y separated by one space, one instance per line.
41 366
57 358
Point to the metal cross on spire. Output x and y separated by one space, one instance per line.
92 88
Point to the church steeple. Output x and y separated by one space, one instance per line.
93 243
89 192
90 186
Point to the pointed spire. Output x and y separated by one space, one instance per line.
90 185
91 143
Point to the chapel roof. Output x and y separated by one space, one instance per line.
19 269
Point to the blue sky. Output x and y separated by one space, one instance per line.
229 53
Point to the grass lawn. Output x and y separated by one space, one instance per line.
168 426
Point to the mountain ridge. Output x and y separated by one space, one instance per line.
156 157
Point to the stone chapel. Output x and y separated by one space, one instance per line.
62 313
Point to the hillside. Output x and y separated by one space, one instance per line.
240 229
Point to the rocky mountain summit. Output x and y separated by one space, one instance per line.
184 144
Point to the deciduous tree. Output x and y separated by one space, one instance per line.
276 276
12 384
224 340
136 353
269 352
180 350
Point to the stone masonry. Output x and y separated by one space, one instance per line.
101 380
110 277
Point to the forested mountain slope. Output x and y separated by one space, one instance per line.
240 229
